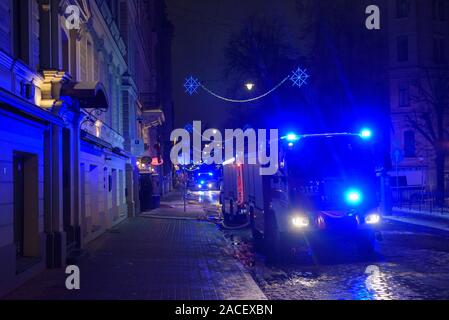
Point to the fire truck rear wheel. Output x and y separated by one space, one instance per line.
276 246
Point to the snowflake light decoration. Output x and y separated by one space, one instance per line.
299 77
191 85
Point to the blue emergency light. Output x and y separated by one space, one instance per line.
353 197
292 137
366 134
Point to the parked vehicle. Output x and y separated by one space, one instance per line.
325 191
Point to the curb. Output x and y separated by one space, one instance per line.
418 222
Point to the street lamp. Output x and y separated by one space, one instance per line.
249 86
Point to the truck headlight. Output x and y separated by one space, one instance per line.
372 218
300 221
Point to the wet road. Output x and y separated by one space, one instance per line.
208 199
411 263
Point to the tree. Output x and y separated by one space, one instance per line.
262 52
260 49
430 119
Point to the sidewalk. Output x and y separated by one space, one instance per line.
156 259
172 206
434 220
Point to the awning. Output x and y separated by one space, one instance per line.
91 95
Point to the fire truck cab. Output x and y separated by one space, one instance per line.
325 190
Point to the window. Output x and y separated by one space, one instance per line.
438 10
96 67
83 59
439 54
404 95
409 144
65 51
21 30
114 7
402 44
402 8
90 61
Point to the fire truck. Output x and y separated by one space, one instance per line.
324 191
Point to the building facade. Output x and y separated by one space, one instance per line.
418 62
158 102
74 77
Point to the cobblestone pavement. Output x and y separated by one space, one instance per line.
169 254
153 258
412 263
199 205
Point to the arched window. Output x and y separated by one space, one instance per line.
409 144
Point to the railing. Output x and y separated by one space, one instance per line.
419 199
94 126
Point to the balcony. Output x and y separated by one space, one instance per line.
102 131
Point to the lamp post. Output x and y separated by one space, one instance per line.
249 86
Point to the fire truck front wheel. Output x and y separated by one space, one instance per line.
366 244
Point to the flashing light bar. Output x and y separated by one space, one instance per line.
365 134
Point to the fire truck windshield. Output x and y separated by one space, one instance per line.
322 169
330 157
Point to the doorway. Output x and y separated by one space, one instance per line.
26 210
67 189
115 199
19 204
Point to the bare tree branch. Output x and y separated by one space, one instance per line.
415 124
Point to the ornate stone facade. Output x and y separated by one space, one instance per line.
70 123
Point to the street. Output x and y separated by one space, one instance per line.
412 264
169 254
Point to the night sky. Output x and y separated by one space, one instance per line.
202 31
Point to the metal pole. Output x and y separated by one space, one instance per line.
397 183
185 190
